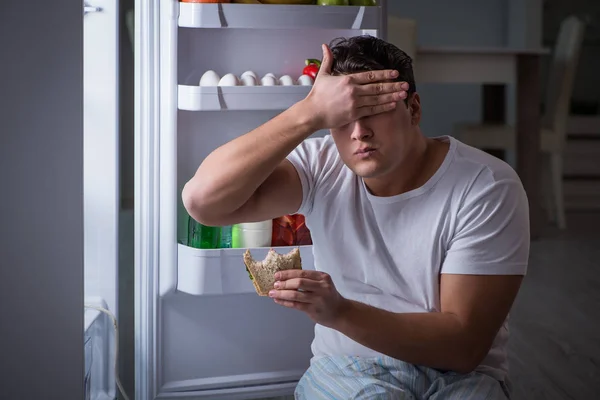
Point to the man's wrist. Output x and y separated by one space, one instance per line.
342 316
306 115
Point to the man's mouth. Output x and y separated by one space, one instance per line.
364 150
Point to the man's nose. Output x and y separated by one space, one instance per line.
361 131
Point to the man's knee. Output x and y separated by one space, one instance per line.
475 386
345 387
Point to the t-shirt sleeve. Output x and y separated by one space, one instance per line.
313 159
492 231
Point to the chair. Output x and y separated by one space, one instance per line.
554 120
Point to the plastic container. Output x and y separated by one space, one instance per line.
252 234
222 271
269 16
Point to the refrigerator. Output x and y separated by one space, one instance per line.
201 331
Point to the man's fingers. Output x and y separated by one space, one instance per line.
308 285
374 110
381 99
374 76
298 273
381 88
292 295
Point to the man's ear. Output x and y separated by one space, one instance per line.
414 107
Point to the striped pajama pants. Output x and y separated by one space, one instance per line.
345 378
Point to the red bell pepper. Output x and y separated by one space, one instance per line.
312 67
290 230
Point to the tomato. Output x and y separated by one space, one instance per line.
311 70
312 67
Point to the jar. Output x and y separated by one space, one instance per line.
252 234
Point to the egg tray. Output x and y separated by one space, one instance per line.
217 98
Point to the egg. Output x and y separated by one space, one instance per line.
271 74
251 73
286 80
229 80
268 81
305 80
248 80
210 78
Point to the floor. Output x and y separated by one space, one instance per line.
554 349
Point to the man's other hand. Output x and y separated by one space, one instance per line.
338 100
310 291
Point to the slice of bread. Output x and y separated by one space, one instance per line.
262 272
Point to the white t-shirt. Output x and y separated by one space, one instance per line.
471 217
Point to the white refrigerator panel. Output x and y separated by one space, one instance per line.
101 150
231 341
101 180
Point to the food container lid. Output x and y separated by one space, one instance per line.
261 225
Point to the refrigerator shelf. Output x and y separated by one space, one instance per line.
216 98
222 271
269 16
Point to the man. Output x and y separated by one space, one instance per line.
420 243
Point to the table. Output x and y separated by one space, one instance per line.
492 66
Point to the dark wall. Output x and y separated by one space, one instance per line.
41 210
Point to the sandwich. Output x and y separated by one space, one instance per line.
262 272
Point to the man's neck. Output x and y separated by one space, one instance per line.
425 158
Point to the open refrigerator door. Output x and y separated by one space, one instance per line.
201 329
101 197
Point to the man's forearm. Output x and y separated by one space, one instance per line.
436 340
229 175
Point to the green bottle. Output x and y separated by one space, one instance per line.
202 236
225 239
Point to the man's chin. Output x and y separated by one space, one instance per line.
366 171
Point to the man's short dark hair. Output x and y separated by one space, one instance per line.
368 53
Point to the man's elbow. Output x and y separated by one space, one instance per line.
465 366
194 204
470 358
